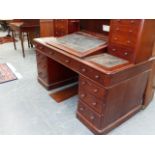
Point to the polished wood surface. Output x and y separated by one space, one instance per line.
64 94
58 27
106 96
132 39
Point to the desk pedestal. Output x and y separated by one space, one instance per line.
52 74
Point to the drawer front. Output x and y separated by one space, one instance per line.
91 73
95 103
129 22
125 35
76 66
89 115
122 52
92 88
125 40
73 64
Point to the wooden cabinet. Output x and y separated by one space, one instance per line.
58 27
132 39
46 28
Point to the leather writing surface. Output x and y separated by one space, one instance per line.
107 60
81 42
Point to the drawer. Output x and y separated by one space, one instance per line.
123 52
124 30
91 87
95 103
89 115
124 40
73 64
129 22
91 73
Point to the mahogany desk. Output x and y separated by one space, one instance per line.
108 94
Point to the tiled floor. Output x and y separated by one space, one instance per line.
26 107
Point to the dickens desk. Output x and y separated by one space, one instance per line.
112 73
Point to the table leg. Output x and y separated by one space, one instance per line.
28 40
22 44
14 41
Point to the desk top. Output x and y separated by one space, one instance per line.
79 43
102 61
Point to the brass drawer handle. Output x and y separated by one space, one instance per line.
51 52
114 50
132 21
83 70
83 95
130 31
95 90
83 82
41 47
128 41
81 109
67 61
117 29
97 76
92 118
94 103
126 53
115 38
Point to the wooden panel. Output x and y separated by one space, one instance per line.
150 89
60 27
46 28
64 94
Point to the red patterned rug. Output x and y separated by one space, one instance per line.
6 74
5 40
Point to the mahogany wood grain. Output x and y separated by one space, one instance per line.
64 94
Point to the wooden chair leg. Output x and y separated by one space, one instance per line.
14 41
22 44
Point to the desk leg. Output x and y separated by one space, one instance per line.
14 41
22 44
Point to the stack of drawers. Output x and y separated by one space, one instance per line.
42 64
91 102
123 38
